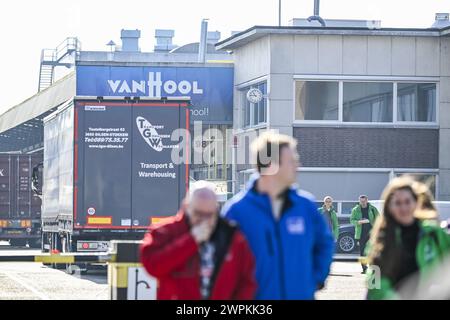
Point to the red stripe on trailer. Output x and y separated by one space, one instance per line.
110 227
75 163
75 204
170 104
121 104
76 124
187 152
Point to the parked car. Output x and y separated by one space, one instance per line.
346 242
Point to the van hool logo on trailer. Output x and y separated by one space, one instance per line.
150 134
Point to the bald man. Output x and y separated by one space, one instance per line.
198 255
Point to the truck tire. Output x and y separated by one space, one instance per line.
77 269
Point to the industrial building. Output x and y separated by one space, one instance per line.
196 70
366 103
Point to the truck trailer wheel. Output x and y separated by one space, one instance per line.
76 269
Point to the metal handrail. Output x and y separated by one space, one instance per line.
48 55
53 57
68 46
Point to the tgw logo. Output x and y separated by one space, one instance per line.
150 134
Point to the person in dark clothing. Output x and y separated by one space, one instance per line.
365 229
409 238
363 218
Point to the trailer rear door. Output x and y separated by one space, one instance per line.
159 181
121 179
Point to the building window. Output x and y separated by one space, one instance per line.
255 113
428 179
416 102
368 102
317 100
347 207
213 150
365 101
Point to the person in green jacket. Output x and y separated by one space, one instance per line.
363 217
330 216
405 245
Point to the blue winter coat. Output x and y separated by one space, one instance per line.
293 255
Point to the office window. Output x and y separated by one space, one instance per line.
262 106
317 100
347 207
213 149
428 179
255 113
416 102
368 102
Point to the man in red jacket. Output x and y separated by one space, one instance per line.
199 255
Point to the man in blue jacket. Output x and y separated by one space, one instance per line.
291 242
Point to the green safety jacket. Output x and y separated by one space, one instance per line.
334 221
432 247
357 215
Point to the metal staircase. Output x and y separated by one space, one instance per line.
64 55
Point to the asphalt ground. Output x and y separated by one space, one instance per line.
34 281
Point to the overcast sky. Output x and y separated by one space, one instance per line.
27 26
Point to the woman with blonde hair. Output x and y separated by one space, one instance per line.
405 242
426 209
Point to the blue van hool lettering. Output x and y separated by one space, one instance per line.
155 87
210 88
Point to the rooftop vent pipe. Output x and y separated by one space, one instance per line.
316 15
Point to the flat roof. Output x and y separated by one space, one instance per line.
242 38
53 96
156 59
